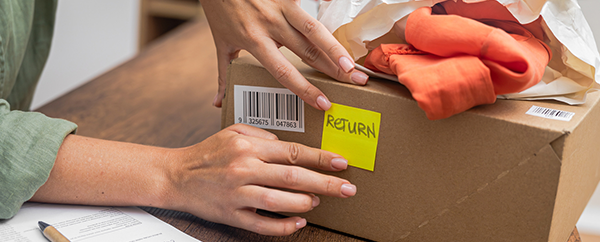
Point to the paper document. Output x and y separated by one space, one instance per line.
89 223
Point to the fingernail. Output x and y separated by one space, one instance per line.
346 64
315 201
348 190
359 78
323 103
339 163
300 223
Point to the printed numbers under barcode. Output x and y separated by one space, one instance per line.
285 124
258 121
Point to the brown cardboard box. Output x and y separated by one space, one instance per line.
493 173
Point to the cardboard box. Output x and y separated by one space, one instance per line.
493 173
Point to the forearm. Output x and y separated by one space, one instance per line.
100 172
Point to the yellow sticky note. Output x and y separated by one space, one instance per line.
352 133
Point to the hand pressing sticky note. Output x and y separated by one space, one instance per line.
352 133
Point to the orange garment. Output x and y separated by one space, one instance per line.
455 62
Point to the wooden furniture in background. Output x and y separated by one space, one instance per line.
158 17
163 97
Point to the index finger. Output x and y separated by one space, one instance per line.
268 54
318 34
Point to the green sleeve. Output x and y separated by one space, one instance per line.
26 29
29 143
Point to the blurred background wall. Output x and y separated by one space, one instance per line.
90 38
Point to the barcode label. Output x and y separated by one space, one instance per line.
550 113
268 108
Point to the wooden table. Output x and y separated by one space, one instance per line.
163 97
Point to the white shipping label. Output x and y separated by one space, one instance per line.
268 108
550 113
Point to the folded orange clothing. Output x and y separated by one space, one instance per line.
442 86
486 10
456 63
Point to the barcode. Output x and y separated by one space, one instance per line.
273 108
550 113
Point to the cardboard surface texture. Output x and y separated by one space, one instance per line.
493 173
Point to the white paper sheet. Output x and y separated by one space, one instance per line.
89 223
573 71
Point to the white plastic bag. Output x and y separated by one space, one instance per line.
573 71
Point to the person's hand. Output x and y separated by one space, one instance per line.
228 176
261 27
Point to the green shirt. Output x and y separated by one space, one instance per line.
29 141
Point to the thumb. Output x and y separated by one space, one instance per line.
224 57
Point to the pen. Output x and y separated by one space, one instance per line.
51 233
